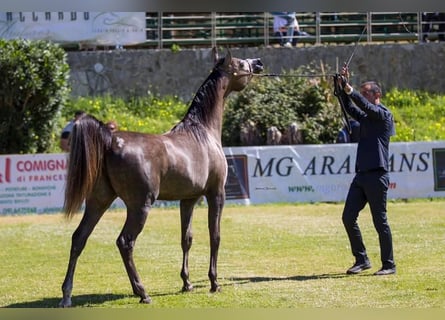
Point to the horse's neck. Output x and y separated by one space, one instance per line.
212 115
216 120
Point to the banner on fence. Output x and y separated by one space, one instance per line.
322 173
297 173
93 28
32 183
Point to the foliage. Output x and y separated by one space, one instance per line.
281 101
149 114
35 85
419 115
175 48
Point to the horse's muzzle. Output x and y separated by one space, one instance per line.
257 65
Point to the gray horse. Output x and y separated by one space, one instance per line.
183 164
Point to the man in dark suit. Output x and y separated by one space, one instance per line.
371 181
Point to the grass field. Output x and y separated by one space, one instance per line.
271 256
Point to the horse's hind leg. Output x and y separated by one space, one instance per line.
93 213
133 226
186 209
216 204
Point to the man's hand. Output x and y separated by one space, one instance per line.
344 76
345 73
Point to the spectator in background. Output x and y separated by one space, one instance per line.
428 20
345 137
284 26
64 137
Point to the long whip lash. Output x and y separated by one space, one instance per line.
337 86
355 47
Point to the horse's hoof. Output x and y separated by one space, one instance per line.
146 300
65 303
187 288
214 289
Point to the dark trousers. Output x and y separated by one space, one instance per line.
369 187
285 38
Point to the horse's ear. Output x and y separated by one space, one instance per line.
228 58
215 54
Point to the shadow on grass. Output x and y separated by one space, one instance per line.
87 300
78 301
292 278
97 299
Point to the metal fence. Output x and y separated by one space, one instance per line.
205 29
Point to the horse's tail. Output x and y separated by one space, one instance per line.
89 140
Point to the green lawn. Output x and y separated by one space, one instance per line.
271 256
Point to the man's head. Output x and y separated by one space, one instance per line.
371 91
78 114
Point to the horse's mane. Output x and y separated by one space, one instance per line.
201 107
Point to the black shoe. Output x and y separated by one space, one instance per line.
359 267
385 271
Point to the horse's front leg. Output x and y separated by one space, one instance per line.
216 205
186 211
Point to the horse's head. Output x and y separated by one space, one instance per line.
240 71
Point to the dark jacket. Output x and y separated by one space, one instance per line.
376 128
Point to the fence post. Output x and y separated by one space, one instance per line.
317 28
419 26
266 28
213 29
369 27
160 14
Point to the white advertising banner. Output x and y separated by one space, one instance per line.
297 173
32 183
97 28
323 173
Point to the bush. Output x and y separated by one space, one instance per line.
35 85
419 115
281 101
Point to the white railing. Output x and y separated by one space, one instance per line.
166 29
